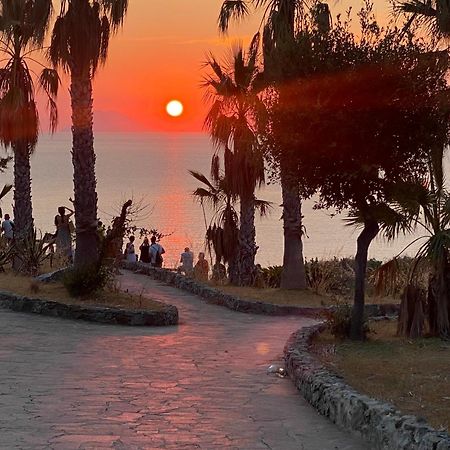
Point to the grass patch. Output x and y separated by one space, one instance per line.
278 296
412 375
29 287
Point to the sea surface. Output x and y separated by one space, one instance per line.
152 169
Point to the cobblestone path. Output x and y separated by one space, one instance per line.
202 384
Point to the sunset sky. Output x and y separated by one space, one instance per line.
157 57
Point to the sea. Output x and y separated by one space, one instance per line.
152 169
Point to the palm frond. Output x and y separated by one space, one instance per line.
231 10
200 177
264 207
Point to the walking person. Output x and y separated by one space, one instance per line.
156 252
145 251
64 233
130 254
8 229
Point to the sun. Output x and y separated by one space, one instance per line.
174 108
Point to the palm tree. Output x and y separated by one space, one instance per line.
22 26
79 45
434 14
232 121
223 230
426 206
281 19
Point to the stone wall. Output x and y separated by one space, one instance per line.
217 297
168 315
377 422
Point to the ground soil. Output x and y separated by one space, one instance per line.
412 375
110 297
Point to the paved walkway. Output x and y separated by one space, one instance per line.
202 384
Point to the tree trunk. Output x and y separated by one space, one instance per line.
293 275
367 235
247 240
23 209
83 158
438 300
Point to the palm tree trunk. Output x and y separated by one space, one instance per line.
247 240
364 240
439 300
23 209
83 158
293 275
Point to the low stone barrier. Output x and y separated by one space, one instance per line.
168 315
217 297
379 423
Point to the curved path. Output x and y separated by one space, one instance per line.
202 384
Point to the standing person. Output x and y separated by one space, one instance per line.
8 229
145 251
63 233
201 269
156 252
187 262
130 254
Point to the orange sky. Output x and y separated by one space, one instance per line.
156 57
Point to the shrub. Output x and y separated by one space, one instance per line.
86 280
338 320
272 276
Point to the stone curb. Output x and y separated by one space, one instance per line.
217 297
113 316
379 423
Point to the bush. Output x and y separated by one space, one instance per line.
338 320
272 276
86 280
30 252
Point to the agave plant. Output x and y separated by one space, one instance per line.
31 251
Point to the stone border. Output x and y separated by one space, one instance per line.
168 315
217 297
379 423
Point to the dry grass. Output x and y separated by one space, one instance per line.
26 286
412 375
290 297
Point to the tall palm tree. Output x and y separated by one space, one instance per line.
23 24
233 121
281 20
79 45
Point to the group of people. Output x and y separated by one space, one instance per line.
201 269
150 253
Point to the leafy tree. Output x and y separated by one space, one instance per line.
23 24
232 122
363 115
79 45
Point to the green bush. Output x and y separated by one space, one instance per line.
86 280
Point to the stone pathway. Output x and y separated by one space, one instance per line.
202 384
